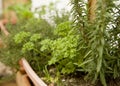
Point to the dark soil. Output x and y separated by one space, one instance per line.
82 82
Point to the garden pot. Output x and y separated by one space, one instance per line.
26 74
2 27
22 79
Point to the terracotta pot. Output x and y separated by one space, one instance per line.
26 73
2 27
22 79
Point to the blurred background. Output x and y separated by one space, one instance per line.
27 26
35 4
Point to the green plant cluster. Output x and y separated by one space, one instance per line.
25 34
22 10
25 39
99 40
63 48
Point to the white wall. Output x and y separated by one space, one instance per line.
60 5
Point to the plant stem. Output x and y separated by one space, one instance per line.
41 53
92 8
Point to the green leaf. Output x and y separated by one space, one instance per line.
87 54
35 37
52 61
102 78
99 64
21 36
83 63
27 47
